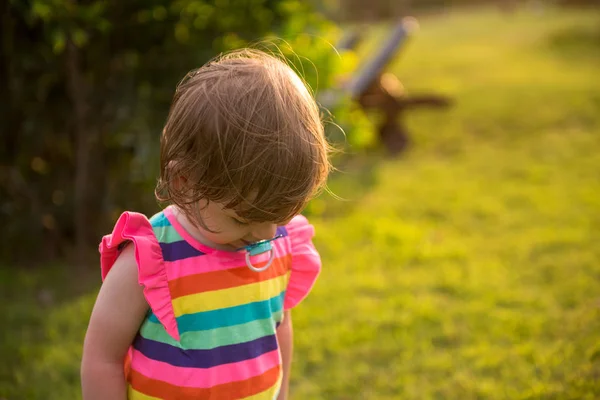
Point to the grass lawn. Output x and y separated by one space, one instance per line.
467 269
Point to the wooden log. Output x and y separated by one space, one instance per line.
349 40
375 67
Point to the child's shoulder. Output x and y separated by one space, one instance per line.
137 233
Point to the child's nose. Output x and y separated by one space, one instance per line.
264 231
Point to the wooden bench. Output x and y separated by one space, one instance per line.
373 88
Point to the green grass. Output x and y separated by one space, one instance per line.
467 269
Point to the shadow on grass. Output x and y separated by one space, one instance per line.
576 42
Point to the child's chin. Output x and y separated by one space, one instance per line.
235 245
240 243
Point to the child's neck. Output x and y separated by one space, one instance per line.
194 232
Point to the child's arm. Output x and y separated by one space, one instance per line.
285 336
119 310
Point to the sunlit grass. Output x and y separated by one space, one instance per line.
470 267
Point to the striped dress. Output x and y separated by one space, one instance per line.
210 332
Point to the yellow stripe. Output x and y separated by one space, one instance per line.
216 299
135 395
268 394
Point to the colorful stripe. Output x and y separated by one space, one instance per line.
269 394
209 339
218 375
225 298
234 390
227 317
159 219
204 358
210 262
178 251
166 234
225 279
281 231
133 394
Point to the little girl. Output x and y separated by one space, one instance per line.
196 300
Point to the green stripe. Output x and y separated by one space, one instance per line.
166 234
209 339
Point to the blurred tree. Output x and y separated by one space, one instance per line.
377 10
86 85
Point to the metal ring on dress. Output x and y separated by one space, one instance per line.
255 269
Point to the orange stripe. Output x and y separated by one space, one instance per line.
228 278
232 390
127 362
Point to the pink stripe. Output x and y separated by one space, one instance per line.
212 262
201 377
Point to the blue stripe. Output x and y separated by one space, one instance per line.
281 231
178 251
230 316
159 220
204 358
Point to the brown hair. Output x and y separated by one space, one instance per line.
243 130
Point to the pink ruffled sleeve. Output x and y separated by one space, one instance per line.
306 262
135 228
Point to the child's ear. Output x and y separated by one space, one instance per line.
179 181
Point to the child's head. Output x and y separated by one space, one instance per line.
244 133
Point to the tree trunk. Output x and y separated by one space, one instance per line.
10 117
77 90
